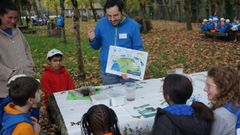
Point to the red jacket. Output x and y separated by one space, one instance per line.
55 81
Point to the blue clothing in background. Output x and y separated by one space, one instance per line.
126 34
235 110
60 21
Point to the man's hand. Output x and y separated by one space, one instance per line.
124 76
91 34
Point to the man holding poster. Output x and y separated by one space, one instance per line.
114 29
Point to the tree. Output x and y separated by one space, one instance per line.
63 36
237 9
35 8
81 73
219 8
228 6
188 14
139 5
19 6
93 10
52 5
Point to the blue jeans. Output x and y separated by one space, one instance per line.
113 79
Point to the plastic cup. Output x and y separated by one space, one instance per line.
130 91
179 70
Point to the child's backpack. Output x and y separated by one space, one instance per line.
3 103
11 120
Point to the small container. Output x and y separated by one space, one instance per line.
117 98
130 91
179 70
100 99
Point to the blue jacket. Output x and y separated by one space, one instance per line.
125 34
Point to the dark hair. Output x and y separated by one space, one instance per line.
226 79
98 120
56 55
23 88
112 3
202 111
5 6
178 87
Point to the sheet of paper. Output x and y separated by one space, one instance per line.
126 61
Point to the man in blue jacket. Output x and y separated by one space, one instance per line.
118 30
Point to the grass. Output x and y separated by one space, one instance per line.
40 45
168 44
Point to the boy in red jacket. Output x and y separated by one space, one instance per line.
55 77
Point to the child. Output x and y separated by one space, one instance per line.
55 78
179 118
100 120
24 92
223 92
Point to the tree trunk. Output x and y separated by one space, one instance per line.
81 73
219 8
33 3
142 14
93 10
188 14
237 9
19 6
63 36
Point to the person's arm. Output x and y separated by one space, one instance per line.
5 72
45 83
29 68
70 82
136 39
94 38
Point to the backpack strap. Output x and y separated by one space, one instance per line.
3 103
12 120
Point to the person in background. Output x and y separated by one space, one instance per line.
15 56
24 92
55 77
224 94
179 118
114 29
100 120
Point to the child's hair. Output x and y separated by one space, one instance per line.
23 88
98 120
179 89
226 80
6 5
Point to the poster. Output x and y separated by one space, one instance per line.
126 61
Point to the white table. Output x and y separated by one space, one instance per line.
71 111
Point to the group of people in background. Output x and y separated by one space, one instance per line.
21 92
213 24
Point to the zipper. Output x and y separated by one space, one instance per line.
115 36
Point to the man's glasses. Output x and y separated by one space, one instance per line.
116 16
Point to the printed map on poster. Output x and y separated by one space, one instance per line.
127 61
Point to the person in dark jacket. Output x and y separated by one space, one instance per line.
179 118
